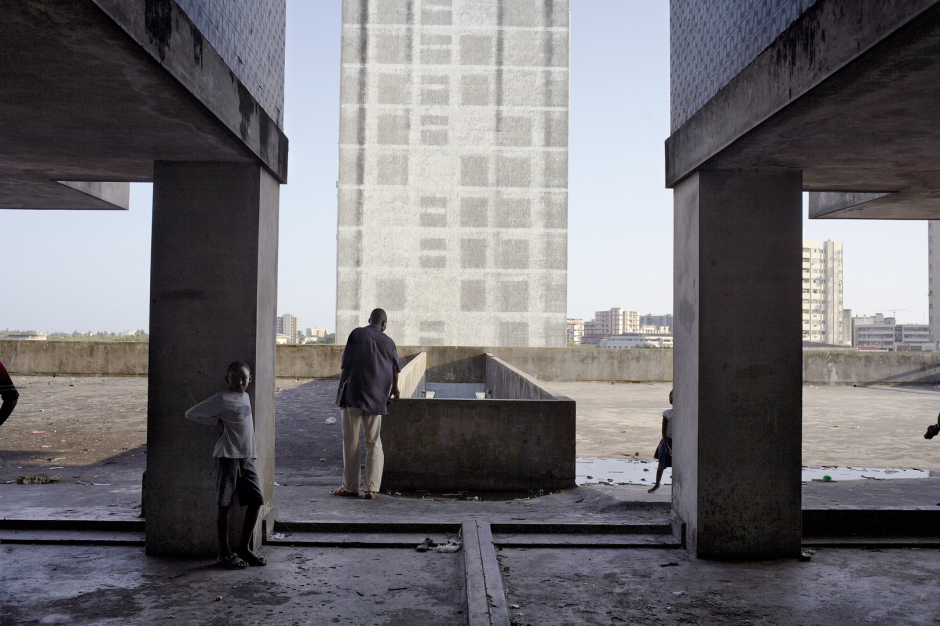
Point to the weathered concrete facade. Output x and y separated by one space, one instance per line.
453 171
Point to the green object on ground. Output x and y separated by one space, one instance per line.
827 479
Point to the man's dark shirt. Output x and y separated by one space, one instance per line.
372 360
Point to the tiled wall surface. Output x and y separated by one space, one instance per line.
453 176
249 35
712 40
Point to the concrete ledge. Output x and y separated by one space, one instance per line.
505 382
412 379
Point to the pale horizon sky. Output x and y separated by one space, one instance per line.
90 270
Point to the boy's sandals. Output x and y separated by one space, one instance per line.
371 495
253 559
232 561
340 491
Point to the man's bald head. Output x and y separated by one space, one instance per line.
379 319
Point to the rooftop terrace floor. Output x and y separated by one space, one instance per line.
103 424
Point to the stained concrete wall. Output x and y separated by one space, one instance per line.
453 169
75 358
486 445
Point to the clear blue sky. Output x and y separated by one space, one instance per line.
86 270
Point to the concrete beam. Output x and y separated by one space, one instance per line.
94 91
213 292
737 426
847 95
114 195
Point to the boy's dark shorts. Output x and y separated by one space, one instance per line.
238 477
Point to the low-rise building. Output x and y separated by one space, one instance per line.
884 333
316 333
593 339
28 335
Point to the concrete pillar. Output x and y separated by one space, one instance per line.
737 372
213 291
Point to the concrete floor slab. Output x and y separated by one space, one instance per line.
548 587
121 585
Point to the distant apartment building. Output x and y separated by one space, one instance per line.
657 320
876 331
638 340
287 325
575 330
616 321
884 333
912 338
822 292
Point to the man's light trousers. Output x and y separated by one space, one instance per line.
375 459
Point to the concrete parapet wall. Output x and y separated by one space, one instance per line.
468 364
76 358
850 367
309 361
479 445
505 382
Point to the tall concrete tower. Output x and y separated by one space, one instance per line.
453 170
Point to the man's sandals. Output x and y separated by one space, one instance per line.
242 560
340 491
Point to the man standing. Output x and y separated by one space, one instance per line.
369 378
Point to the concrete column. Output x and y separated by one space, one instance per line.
213 291
737 372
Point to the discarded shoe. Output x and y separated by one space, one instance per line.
426 545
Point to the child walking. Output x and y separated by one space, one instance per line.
234 454
664 450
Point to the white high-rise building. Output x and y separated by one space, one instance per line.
822 292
